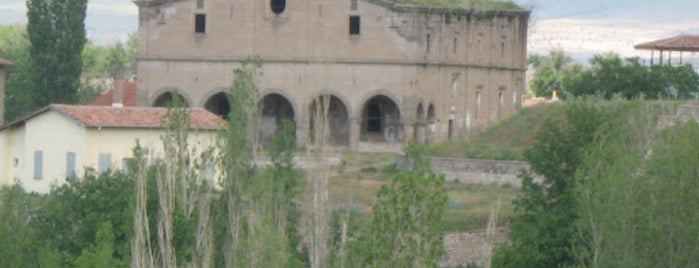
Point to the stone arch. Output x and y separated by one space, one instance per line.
274 109
163 97
218 103
381 120
430 113
431 124
338 123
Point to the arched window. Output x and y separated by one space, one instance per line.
277 6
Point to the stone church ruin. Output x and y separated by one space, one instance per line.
388 72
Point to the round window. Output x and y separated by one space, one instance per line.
277 6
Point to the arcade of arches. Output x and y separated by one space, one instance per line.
378 121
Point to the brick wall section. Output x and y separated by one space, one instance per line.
474 171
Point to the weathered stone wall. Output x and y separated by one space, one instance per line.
471 247
684 113
467 67
474 171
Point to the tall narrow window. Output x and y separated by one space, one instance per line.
455 43
38 165
354 5
502 49
70 165
105 162
429 42
200 23
277 6
354 25
200 3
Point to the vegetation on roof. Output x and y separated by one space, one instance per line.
475 4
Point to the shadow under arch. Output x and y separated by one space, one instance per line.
274 109
381 119
163 97
218 104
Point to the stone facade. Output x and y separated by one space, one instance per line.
389 73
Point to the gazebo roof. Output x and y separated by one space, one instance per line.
677 43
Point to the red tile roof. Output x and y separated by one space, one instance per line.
135 117
106 99
4 62
677 43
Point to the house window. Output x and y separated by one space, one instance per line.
277 6
208 173
38 165
354 5
200 3
70 165
200 23
354 25
105 162
126 164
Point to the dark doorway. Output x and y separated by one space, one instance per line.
381 120
275 109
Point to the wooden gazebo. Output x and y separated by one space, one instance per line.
681 43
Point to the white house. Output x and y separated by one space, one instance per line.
59 141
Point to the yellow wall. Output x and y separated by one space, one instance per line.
55 135
120 143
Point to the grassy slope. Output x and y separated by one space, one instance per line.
507 140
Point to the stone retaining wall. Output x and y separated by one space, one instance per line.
473 171
471 247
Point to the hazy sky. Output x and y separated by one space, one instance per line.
579 27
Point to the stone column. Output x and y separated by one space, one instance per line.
355 130
408 131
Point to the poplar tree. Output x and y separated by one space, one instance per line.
56 31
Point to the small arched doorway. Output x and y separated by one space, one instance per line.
381 120
218 104
336 130
165 99
275 109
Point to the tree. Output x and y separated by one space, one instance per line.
543 231
19 100
56 31
405 229
638 201
609 75
549 72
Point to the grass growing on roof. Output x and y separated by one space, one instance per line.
478 4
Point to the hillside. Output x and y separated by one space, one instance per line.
507 140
